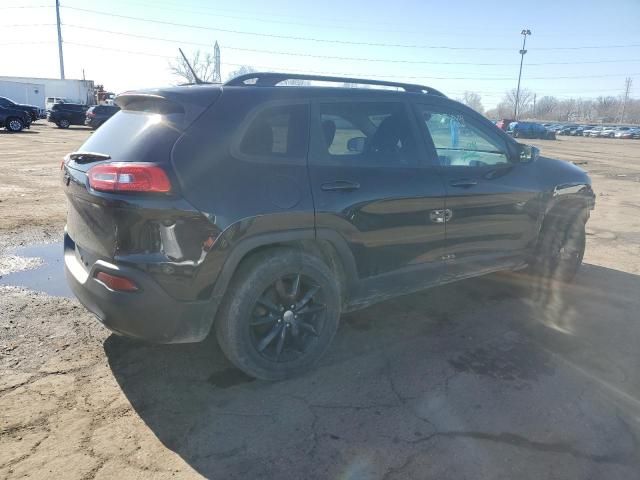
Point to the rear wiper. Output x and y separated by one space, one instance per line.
88 157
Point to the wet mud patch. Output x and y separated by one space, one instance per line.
509 359
36 267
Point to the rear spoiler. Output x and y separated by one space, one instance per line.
190 102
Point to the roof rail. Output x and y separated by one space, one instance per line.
271 79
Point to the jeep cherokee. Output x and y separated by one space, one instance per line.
265 211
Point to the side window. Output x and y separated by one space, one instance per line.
365 134
459 142
278 131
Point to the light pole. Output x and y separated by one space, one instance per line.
524 34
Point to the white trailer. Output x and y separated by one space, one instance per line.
74 91
25 93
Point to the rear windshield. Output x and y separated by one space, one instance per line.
134 136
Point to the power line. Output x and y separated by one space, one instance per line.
26 6
345 73
275 52
324 40
286 37
17 25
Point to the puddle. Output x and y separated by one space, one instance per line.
229 377
47 277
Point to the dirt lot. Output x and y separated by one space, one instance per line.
489 378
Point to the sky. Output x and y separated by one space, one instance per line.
576 48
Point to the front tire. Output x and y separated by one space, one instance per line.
64 123
280 314
14 125
561 250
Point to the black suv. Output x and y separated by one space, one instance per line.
99 114
14 120
66 114
268 210
32 111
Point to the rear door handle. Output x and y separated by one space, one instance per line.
340 186
463 183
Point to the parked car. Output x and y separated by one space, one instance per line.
265 212
593 131
608 132
99 114
503 124
14 119
530 130
567 130
66 114
636 134
51 101
623 132
31 110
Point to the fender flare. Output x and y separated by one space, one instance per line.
245 246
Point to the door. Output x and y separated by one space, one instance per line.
78 114
371 186
493 202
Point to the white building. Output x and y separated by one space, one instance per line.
73 91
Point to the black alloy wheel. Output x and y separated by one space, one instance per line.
287 318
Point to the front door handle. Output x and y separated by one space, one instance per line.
441 215
340 186
463 183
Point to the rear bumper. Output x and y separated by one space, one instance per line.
148 314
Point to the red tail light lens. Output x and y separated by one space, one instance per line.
129 177
114 282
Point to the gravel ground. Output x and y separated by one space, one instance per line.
488 378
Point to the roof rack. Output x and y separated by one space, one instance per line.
271 79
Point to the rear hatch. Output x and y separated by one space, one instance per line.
105 223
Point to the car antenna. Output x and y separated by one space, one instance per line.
193 72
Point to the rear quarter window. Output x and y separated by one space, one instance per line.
278 131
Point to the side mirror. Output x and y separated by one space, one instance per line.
529 153
356 144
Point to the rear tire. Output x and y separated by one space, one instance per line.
14 124
280 314
64 123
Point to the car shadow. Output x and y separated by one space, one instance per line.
517 344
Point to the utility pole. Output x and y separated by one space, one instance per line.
627 91
524 33
59 40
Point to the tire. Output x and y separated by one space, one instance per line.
516 135
255 320
14 124
64 123
561 248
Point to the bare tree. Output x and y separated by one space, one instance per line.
473 100
202 63
545 108
243 70
606 108
525 99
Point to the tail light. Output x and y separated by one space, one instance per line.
129 177
117 283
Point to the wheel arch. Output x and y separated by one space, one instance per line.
326 245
